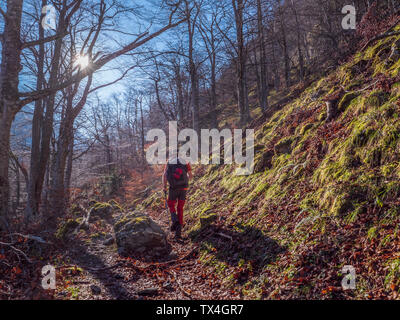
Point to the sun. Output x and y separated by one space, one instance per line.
82 61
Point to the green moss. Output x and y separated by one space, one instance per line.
98 235
66 227
371 51
389 169
373 157
391 190
334 173
353 216
376 98
361 137
322 115
391 215
339 170
391 138
372 232
355 84
393 274
74 292
389 111
346 100
306 127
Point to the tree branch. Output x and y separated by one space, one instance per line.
20 166
42 41
35 95
113 82
3 13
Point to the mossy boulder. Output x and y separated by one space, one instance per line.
361 137
100 210
67 227
284 146
346 101
137 233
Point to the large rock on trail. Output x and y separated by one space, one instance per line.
137 233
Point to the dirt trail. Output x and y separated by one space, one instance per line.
100 273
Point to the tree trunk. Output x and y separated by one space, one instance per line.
238 8
68 171
9 81
195 93
214 91
65 140
143 154
57 190
18 188
179 87
263 60
299 50
5 127
285 54
35 186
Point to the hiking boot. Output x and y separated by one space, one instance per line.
175 222
173 226
178 231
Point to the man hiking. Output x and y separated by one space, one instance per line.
177 174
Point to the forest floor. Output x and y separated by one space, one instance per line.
88 265
93 269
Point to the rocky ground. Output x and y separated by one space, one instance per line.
91 268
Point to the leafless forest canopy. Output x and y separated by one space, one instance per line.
76 101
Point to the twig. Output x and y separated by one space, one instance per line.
386 34
225 236
361 90
16 250
85 221
30 237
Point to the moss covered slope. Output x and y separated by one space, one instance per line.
324 194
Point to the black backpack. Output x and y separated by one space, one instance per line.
177 175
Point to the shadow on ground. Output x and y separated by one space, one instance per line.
94 263
239 245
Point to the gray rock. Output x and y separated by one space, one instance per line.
100 211
137 233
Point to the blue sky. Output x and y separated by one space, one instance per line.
149 17
111 41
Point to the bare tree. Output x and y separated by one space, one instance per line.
12 100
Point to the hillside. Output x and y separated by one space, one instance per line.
324 193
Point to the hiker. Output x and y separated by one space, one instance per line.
177 174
